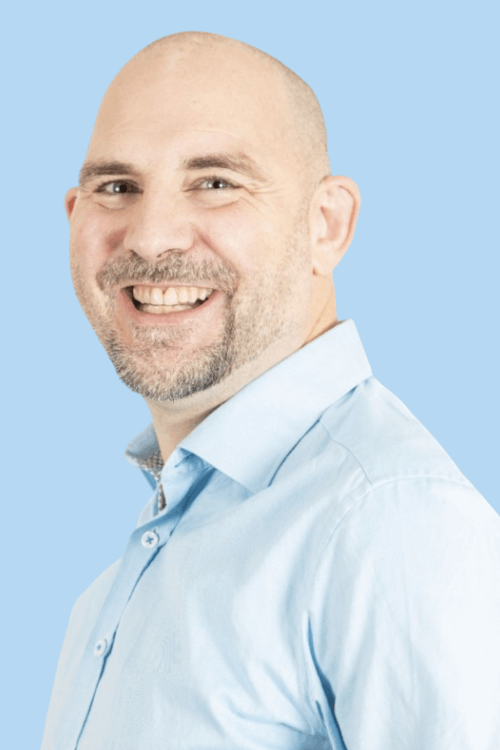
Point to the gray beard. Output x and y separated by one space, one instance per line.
143 371
144 367
153 366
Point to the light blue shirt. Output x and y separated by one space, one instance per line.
323 576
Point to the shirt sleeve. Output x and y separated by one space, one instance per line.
403 627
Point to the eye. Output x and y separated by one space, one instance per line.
215 183
117 187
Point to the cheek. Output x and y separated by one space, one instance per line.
92 240
242 237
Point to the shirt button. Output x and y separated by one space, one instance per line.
150 539
100 647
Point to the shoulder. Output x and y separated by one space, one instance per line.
385 438
411 521
403 605
373 470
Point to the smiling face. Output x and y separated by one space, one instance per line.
190 250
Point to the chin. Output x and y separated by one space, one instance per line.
159 375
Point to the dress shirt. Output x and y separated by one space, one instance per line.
322 576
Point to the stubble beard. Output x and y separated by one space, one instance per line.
156 365
158 368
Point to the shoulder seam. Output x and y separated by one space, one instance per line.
347 449
391 481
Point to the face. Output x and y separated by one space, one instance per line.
189 241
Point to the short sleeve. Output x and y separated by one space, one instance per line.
403 624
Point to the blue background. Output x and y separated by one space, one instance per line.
410 96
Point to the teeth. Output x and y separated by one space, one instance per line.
171 296
162 309
156 296
142 293
183 295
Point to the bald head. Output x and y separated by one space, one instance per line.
236 74
304 120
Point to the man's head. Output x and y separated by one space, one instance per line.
206 225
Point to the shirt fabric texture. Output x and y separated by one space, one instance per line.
322 576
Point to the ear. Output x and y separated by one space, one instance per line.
69 201
333 214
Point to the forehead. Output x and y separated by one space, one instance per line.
211 100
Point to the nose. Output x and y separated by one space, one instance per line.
158 224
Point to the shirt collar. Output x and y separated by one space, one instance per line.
248 436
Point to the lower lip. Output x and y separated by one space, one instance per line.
171 318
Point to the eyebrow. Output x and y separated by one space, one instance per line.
235 162
97 168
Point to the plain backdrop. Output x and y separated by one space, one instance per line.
410 95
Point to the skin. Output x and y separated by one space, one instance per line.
266 238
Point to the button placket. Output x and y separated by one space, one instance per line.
141 550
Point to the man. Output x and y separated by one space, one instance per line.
312 571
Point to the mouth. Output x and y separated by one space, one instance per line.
157 300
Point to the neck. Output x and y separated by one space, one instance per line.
173 421
172 426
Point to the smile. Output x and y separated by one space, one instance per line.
161 300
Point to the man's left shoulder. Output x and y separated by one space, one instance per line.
368 460
385 438
375 452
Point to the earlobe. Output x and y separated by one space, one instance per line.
335 209
69 201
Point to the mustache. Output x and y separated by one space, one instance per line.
176 267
